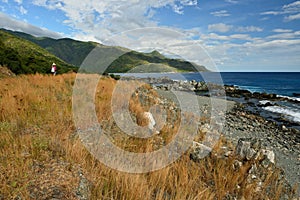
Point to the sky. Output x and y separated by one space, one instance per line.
224 35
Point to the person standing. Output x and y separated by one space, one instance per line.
53 69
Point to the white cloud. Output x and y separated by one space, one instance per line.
178 9
275 45
290 11
15 25
236 51
22 10
5 1
240 37
221 13
279 30
292 17
292 7
220 27
189 2
214 36
282 36
271 13
106 17
231 1
249 29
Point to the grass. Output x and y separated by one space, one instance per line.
41 156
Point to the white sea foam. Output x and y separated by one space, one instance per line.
292 114
251 89
264 102
291 98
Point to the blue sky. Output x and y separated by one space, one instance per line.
248 35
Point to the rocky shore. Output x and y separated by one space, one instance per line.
252 101
285 142
242 123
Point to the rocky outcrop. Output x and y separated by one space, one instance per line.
251 148
250 154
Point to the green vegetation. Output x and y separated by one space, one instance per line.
74 52
24 57
155 62
69 50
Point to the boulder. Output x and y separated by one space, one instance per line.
199 151
247 148
251 148
267 156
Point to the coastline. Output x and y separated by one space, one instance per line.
269 105
242 122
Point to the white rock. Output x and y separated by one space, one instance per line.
151 120
269 154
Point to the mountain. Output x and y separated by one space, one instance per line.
74 52
24 57
151 62
69 50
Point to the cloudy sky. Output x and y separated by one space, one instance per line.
237 35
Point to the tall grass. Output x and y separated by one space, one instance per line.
41 155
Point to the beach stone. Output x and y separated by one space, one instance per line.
199 151
247 148
267 156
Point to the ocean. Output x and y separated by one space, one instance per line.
283 84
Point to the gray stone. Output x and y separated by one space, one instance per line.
244 150
268 157
199 151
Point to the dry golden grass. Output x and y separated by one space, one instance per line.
40 152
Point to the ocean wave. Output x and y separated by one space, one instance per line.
291 114
291 98
251 89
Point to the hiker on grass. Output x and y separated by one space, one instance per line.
53 69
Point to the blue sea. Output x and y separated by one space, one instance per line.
281 83
286 84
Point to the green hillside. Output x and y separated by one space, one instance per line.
74 52
69 50
24 57
154 59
